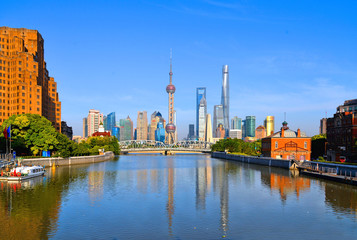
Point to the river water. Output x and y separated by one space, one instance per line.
176 197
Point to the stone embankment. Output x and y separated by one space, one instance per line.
49 162
272 162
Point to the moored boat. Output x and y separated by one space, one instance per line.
22 173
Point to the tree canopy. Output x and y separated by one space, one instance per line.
31 134
238 146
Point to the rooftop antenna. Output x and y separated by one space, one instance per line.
284 116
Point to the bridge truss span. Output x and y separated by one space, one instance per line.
152 146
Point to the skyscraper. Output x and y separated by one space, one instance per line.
160 132
110 122
191 131
260 132
236 123
250 126
208 129
142 126
323 126
94 119
85 128
225 98
269 125
116 132
217 117
200 92
126 129
24 78
170 127
202 112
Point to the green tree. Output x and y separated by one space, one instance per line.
318 145
32 132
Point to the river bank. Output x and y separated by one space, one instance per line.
271 162
49 162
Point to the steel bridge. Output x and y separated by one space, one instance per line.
151 146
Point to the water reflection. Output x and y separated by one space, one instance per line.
341 198
166 196
285 182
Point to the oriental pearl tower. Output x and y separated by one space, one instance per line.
170 89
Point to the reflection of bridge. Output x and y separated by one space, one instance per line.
150 146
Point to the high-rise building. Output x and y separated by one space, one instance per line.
225 98
208 129
236 123
243 129
142 126
200 93
260 132
153 125
116 132
202 112
171 127
85 128
217 117
24 75
323 125
220 131
109 122
269 125
160 132
250 126
235 133
191 131
126 129
66 130
94 119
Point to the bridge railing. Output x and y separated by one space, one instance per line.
135 144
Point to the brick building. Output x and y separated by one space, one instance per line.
341 133
25 84
287 144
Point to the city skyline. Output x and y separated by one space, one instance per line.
305 66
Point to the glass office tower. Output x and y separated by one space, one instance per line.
236 123
217 118
200 92
202 112
225 98
250 126
109 122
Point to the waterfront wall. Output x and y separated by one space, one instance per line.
48 162
273 162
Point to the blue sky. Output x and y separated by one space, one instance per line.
297 57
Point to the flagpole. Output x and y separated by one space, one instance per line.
10 142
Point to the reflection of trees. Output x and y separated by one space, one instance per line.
341 197
32 212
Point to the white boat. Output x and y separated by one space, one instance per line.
24 172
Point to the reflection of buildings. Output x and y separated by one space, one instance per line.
203 183
95 184
170 206
286 185
220 184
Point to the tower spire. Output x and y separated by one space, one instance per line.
170 66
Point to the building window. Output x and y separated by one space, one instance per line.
23 87
276 144
305 144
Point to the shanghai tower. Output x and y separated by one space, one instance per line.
225 98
